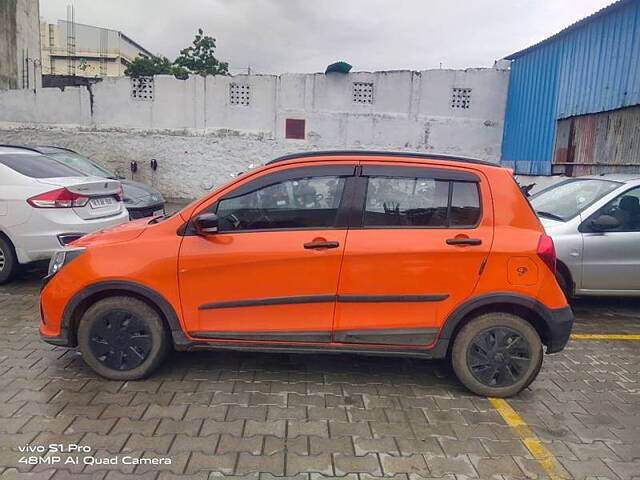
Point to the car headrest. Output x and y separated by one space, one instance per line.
629 203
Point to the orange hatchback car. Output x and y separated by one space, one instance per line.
375 253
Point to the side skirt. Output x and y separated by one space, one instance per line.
439 351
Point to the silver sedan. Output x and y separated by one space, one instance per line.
595 224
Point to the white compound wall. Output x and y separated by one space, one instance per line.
200 135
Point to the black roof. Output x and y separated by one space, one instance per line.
365 153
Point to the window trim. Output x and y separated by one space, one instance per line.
436 174
350 214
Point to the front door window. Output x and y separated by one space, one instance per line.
309 202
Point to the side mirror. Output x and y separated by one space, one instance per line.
604 223
206 223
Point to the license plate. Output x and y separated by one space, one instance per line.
158 212
100 202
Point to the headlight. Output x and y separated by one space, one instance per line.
62 257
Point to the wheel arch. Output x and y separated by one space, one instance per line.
527 308
564 270
90 294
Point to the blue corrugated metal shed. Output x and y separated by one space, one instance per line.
591 66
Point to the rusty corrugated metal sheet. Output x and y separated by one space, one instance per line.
592 67
601 142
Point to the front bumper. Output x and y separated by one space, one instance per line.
61 340
559 322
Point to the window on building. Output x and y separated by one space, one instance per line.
310 202
461 98
362 92
142 88
294 128
239 94
420 202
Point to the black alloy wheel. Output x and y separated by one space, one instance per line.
123 338
497 354
120 340
498 357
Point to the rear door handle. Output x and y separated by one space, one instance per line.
311 245
464 241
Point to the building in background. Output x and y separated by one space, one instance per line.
573 102
70 48
19 44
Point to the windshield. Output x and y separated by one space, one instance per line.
567 199
82 164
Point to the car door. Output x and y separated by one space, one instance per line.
611 259
414 253
271 271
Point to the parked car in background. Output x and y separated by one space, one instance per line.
140 199
595 224
343 252
44 205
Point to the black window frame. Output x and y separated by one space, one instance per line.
431 173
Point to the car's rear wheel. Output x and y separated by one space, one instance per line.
122 338
8 261
497 354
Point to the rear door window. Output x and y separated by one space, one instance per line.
414 202
35 165
421 202
465 204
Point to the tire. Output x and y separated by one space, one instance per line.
504 372
8 260
122 338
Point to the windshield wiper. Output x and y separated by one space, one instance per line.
550 215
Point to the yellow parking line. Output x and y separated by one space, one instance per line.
545 458
604 336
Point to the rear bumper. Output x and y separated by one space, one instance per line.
142 212
559 322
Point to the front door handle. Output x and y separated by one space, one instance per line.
311 245
464 241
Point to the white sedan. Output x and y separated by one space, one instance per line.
45 205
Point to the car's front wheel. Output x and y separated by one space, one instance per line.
8 260
497 354
122 338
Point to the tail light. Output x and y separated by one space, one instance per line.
547 252
60 198
120 195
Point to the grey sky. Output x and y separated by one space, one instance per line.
275 36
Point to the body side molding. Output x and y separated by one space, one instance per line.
322 298
420 336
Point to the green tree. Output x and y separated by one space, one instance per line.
144 66
199 57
